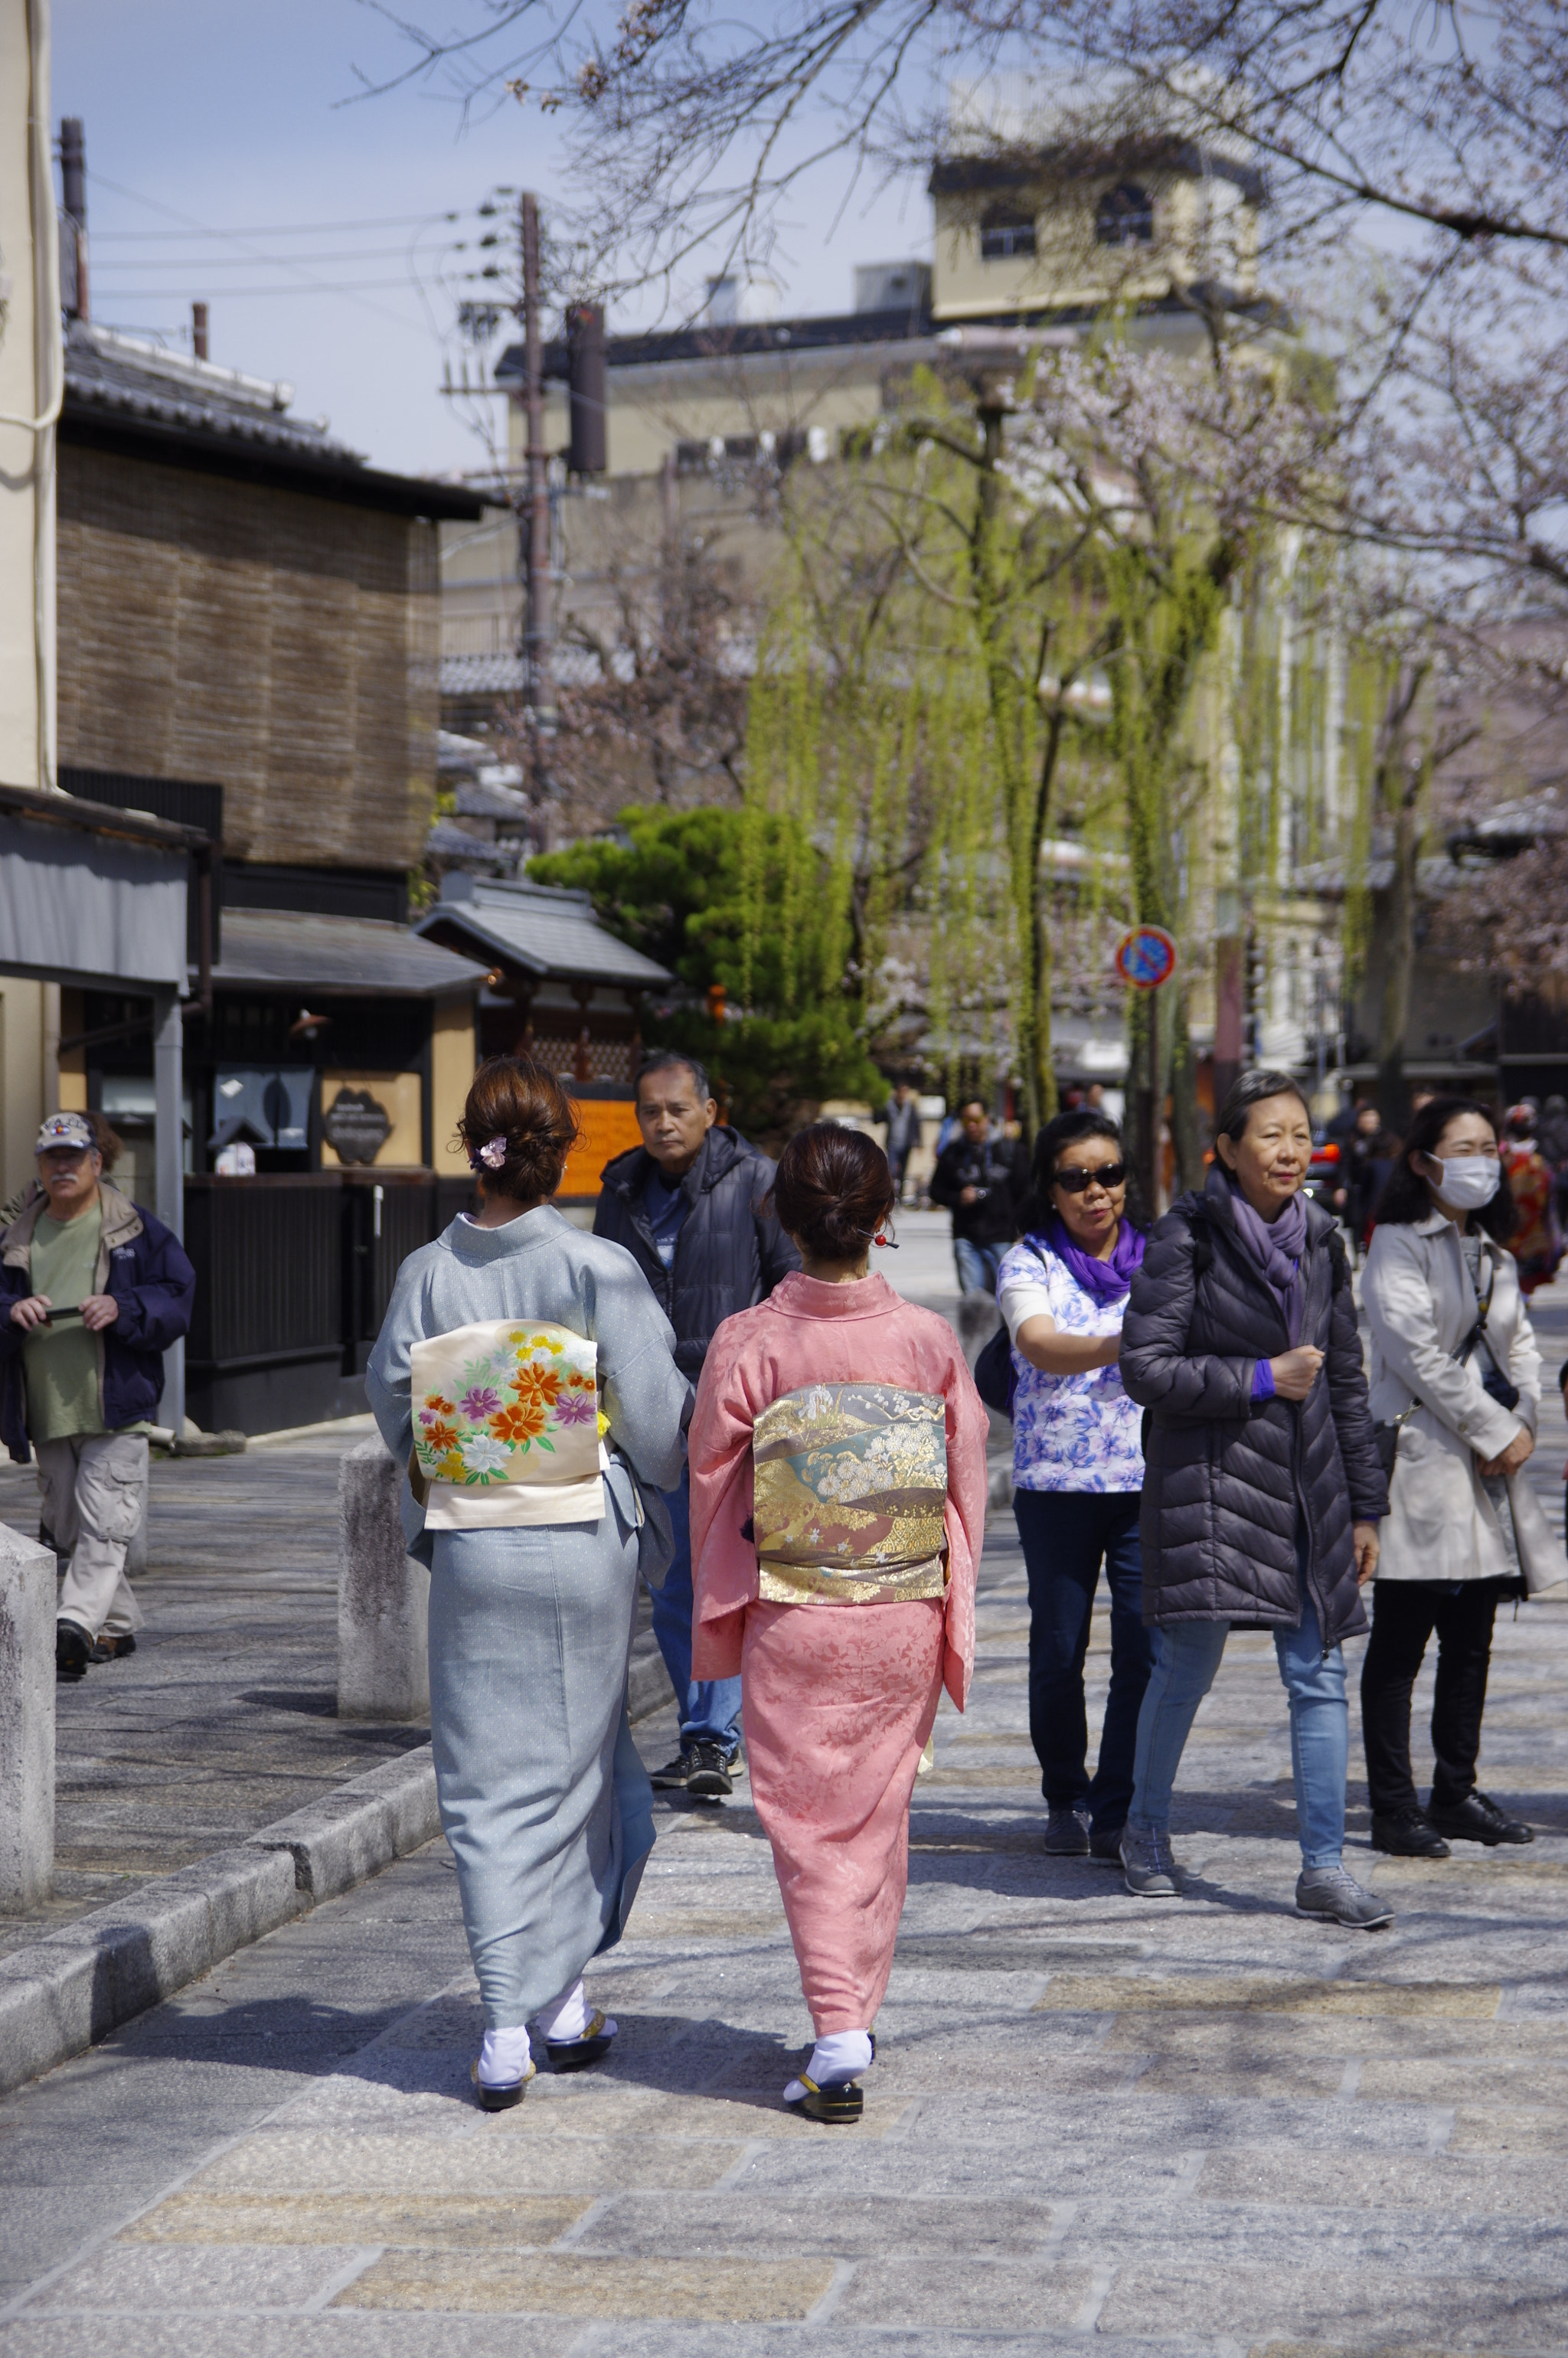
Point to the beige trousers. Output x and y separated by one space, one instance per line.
94 1489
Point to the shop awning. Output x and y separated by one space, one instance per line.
275 949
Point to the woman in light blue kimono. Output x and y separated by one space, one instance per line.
526 1375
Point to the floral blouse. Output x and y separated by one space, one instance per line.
1069 1432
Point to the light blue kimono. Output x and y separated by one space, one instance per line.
544 1799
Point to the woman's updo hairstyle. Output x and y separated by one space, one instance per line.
833 1190
517 1128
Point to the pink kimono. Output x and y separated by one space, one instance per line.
837 1456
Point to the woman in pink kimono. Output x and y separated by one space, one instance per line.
838 1458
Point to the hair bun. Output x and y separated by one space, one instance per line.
833 1190
517 1128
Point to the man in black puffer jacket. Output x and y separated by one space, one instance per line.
1262 1489
688 1206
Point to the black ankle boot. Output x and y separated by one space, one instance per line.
1408 1834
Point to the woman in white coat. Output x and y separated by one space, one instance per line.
1456 1390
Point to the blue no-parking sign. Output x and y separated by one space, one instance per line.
1146 957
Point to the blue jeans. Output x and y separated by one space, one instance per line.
1065 1534
1189 1656
709 1708
977 1265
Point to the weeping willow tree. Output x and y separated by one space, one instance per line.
899 723
1417 697
1018 580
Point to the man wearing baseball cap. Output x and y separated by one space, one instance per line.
93 1291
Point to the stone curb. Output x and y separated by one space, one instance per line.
67 1991
72 1988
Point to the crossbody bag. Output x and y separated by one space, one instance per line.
1493 1380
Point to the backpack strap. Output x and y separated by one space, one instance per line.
1203 1239
1202 1233
1339 1267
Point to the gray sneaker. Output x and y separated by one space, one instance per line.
1147 1866
1329 1893
1067 1831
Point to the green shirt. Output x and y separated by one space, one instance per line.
60 1362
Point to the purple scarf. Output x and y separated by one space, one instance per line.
1103 1281
1277 1247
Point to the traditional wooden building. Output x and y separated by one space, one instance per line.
248 644
560 987
247 647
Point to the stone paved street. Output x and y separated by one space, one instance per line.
224 1718
1180 2128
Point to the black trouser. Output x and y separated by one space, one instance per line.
1404 1615
1066 1536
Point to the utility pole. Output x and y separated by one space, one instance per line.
538 686
73 187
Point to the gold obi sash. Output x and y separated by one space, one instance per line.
506 1426
850 1482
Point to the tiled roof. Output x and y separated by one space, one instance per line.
125 373
276 949
550 933
119 386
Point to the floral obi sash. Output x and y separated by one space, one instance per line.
850 1483
506 1426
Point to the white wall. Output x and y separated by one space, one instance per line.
29 378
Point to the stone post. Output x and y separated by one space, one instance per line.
26 1722
383 1596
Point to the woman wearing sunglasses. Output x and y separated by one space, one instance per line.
1077 1472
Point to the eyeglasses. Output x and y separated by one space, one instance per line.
1109 1174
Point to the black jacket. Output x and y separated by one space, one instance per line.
1228 1479
729 1254
1002 1168
143 1266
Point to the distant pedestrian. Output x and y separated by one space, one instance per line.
1077 1472
900 1116
1262 1490
97 1290
1537 1238
982 1180
688 1205
839 1500
512 1347
1552 1137
1456 1388
1374 1152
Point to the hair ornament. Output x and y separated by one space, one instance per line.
493 1153
890 1243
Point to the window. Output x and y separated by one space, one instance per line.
1125 216
1003 235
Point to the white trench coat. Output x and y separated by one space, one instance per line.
1420 1305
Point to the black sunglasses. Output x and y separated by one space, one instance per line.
1109 1174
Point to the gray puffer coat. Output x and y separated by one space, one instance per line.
1228 1479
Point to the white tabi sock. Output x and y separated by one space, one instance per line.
504 2058
567 2017
842 2055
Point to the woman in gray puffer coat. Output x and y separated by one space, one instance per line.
1263 1489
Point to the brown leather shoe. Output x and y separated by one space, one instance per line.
110 1650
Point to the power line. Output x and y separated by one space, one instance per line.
276 229
248 262
233 237
235 294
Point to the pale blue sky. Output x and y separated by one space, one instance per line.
231 117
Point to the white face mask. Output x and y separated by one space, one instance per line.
1468 1180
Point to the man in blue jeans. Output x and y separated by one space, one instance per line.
981 1180
688 1206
